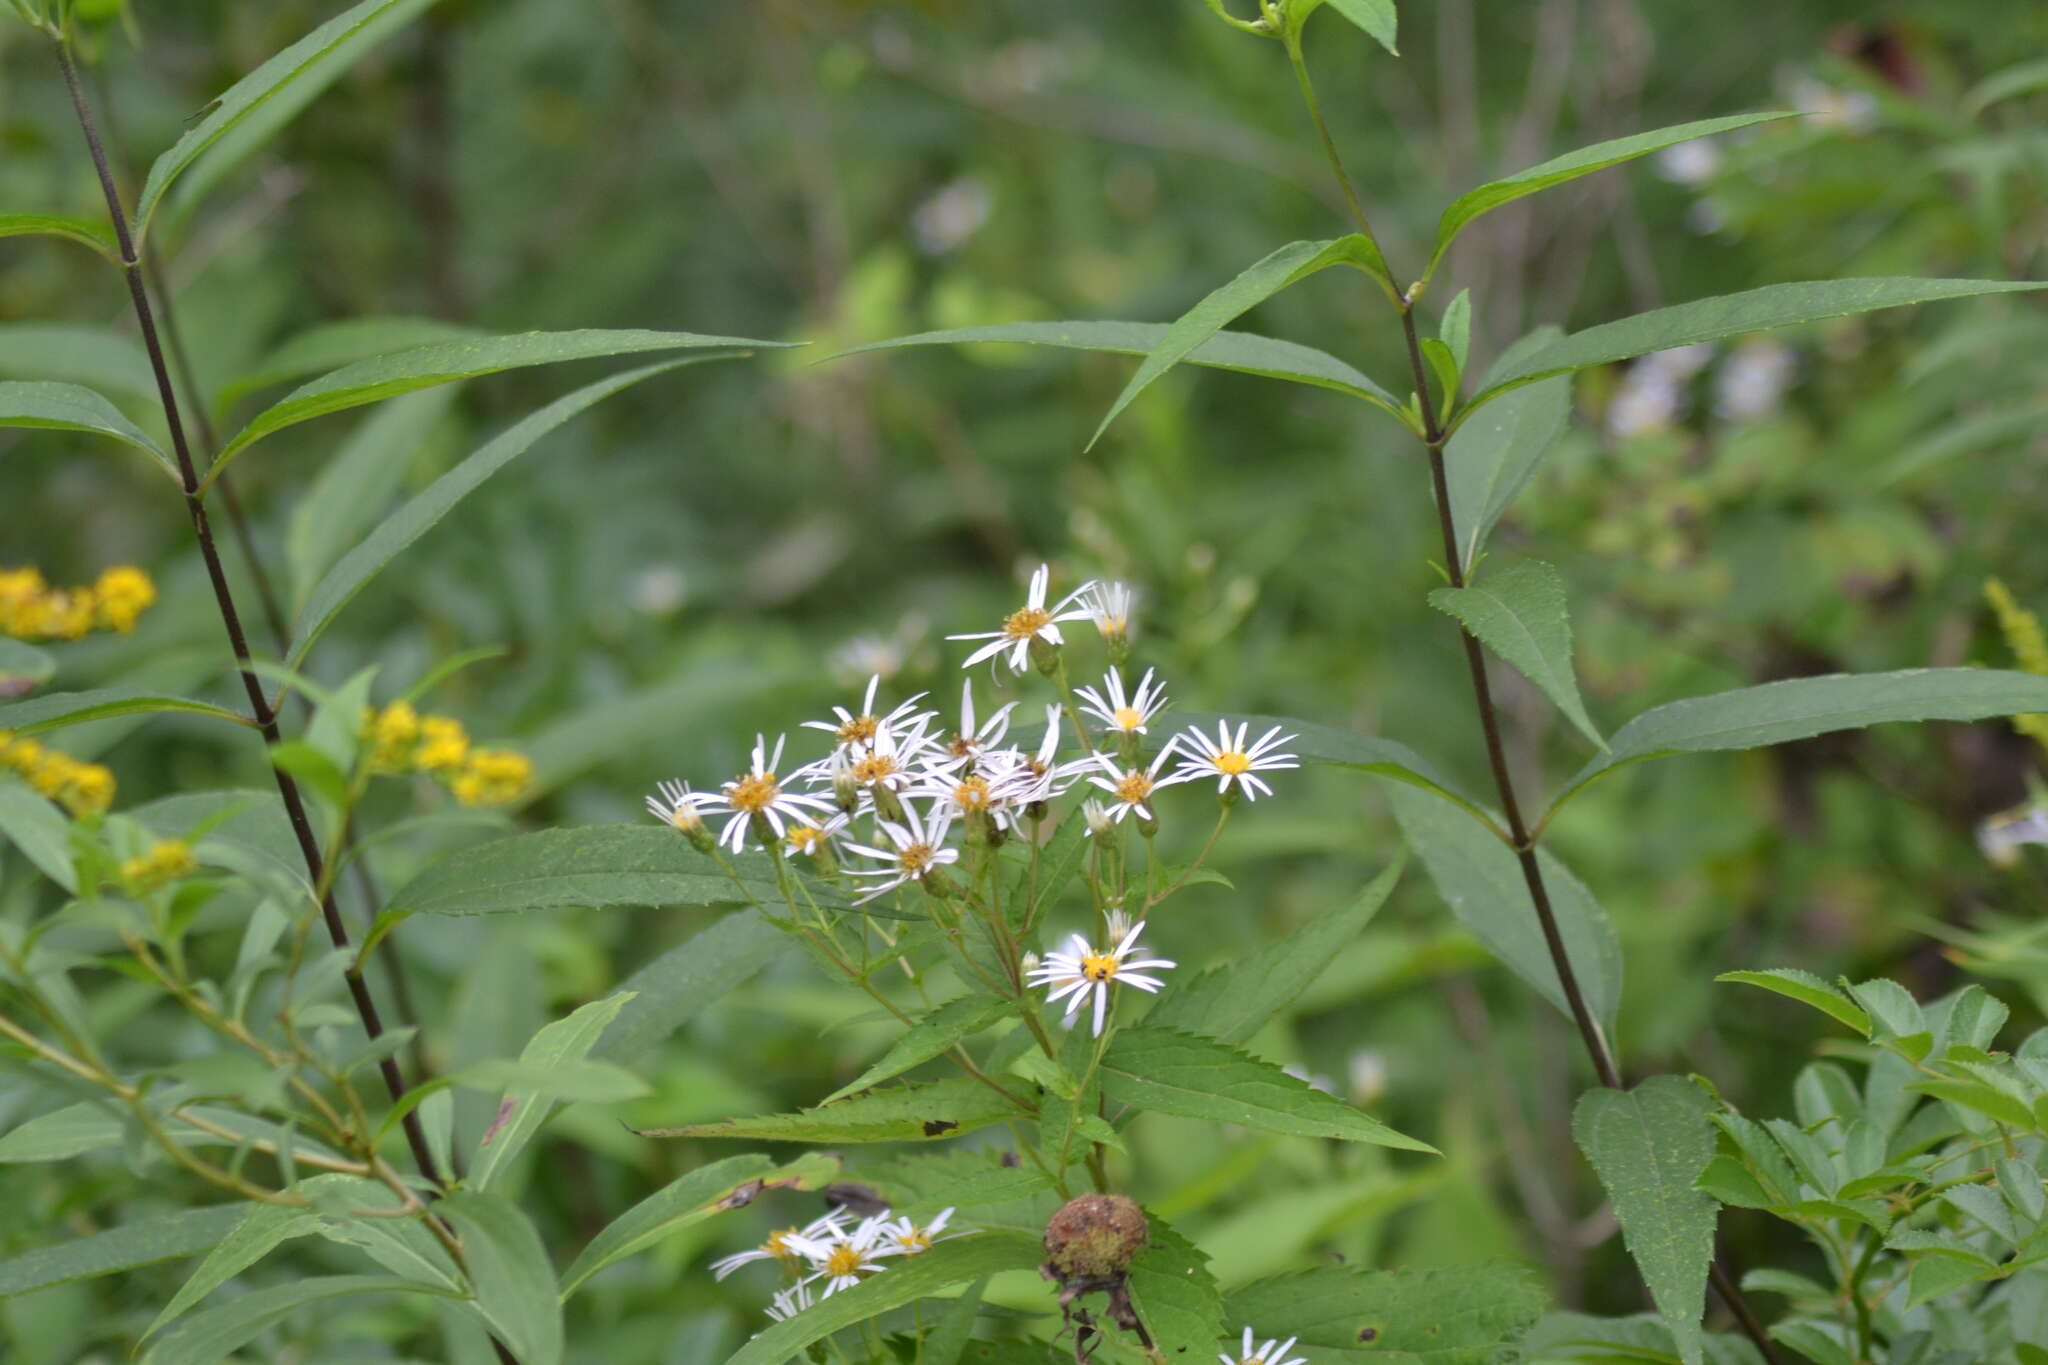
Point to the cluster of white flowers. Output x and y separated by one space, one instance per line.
1273 1352
834 1253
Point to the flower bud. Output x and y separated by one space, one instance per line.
1094 1237
1045 655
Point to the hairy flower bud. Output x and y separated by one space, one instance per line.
1094 1237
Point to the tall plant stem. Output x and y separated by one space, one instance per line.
231 619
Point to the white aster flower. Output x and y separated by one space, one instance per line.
1226 758
1080 971
1271 1353
1095 816
1032 621
791 1301
759 792
1026 778
841 1260
1130 788
889 759
975 737
1109 606
675 804
814 839
965 794
1118 713
849 729
912 1240
2001 836
917 846
782 1246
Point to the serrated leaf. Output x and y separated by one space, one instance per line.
957 1260
1556 171
1808 989
1172 1072
83 231
1979 1098
210 1337
1234 1001
556 1047
1242 352
1649 1145
1519 613
1933 1276
144 1241
919 1185
705 1192
56 710
929 1037
1175 1295
509 1269
1260 281
591 866
73 407
1800 708
1729 1181
909 1113
1461 1316
1481 881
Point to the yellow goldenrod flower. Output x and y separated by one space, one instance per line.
81 788
2024 637
444 744
66 615
30 609
166 862
492 777
392 733
124 593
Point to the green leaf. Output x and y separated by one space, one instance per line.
2023 79
60 1134
423 367
907 1113
1808 989
208 1338
1456 330
1981 1098
141 1242
42 834
1461 1316
508 1266
1490 459
1649 1145
23 667
1571 166
588 867
1519 613
1260 281
332 345
732 1183
1800 708
56 710
1175 1295
1755 310
314 56
957 1260
97 357
261 1230
1375 17
929 1037
1234 1001
676 986
919 1185
424 510
556 1047
98 236
73 407
1481 880
356 485
1240 351
1172 1072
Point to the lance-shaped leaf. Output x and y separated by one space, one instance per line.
509 1268
1807 989
957 1260
212 1336
1519 613
929 1037
1800 708
144 1241
1171 1072
332 345
704 1193
1289 265
33 825
356 485
316 57
1460 1316
909 1113
1481 880
98 357
1571 166
59 709
444 362
1240 351
1491 458
73 407
1729 315
560 1044
670 991
1648 1146
83 231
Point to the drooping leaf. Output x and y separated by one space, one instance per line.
1481 880
56 710
332 345
1800 708
1648 1146
1260 281
1172 1072
907 1113
144 1241
705 1192
73 407
1754 310
670 991
562 1043
313 57
1519 613
35 827
1808 989
356 484
99 358
929 1037
1234 1001
212 1336
1571 166
1375 17
98 236
1491 458
509 1269
1239 351
444 362
1175 1295
1461 1316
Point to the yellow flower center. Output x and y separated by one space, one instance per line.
778 1243
685 818
752 795
807 838
916 858
914 1241
845 1260
1133 788
1026 622
1128 718
859 730
874 768
1232 762
960 746
972 794
1098 966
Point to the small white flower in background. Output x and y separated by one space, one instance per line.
1273 1352
2002 836
675 804
791 1301
1095 816
1848 111
1752 382
1032 621
1130 789
1653 395
870 655
841 1260
912 1240
917 846
658 590
812 840
951 215
1121 714
782 1246
1688 163
850 729
759 792
975 737
1026 778
1109 606
1080 972
1228 760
